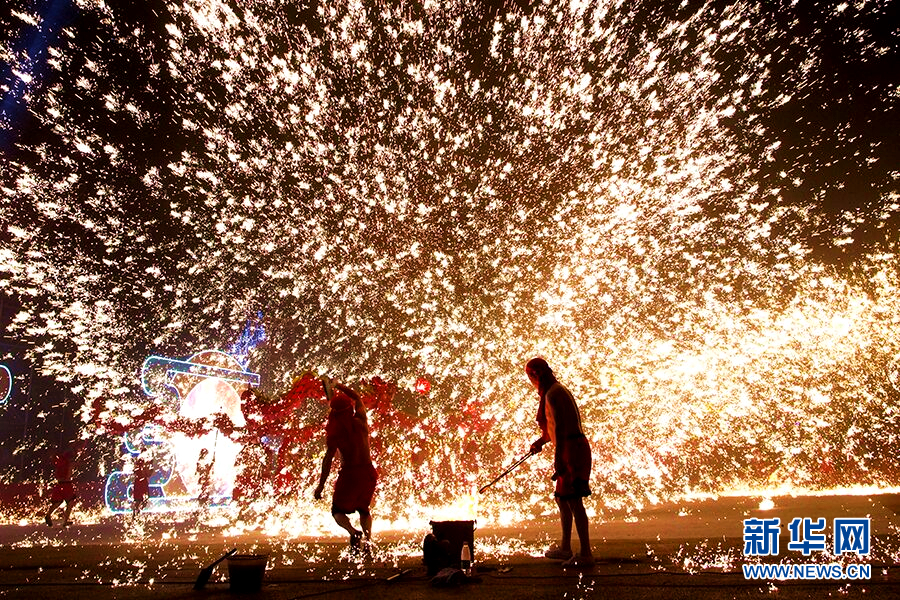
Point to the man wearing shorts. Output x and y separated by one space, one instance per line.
560 423
347 432
63 490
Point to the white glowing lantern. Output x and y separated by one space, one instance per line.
206 385
207 398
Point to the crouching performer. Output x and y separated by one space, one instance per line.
347 432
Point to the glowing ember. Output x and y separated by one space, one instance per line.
423 386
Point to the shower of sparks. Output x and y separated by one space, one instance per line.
430 192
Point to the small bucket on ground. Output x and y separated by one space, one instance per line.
456 533
246 572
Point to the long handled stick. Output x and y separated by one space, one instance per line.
506 472
203 577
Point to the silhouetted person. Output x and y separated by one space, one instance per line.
63 490
560 423
204 478
140 488
347 432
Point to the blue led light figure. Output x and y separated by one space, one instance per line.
119 485
171 381
158 373
6 384
253 335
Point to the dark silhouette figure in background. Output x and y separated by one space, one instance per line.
204 478
560 423
140 490
347 431
63 490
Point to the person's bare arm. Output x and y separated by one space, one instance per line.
326 470
538 444
357 399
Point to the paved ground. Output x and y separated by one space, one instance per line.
688 550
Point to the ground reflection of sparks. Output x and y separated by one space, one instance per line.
428 195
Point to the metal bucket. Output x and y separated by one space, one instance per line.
246 572
456 533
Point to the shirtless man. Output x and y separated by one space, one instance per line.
347 431
63 490
560 423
